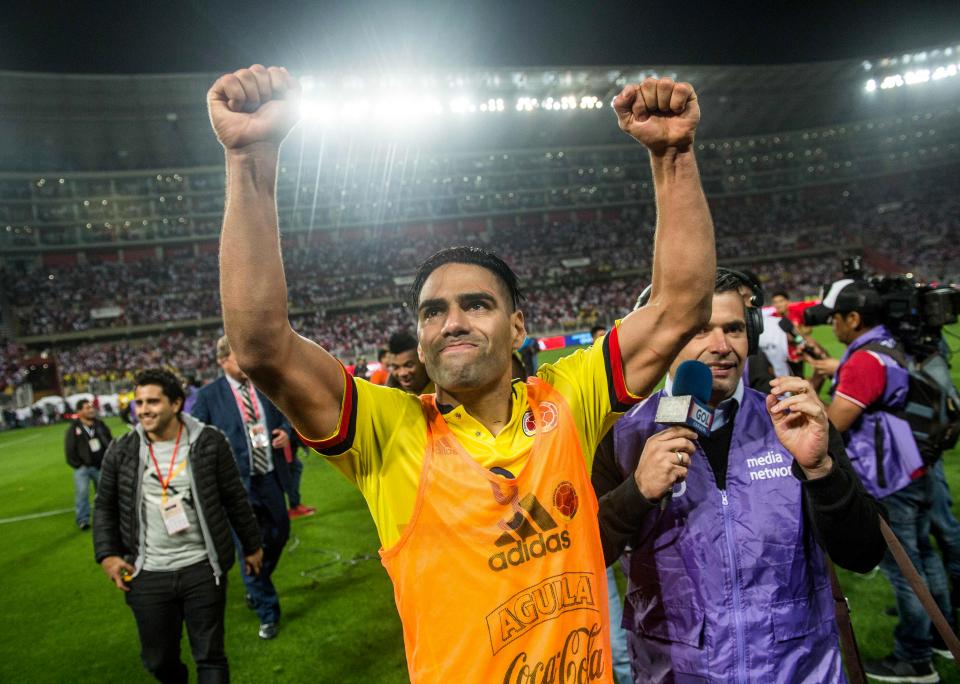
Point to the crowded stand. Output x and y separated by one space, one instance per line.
841 218
349 335
52 301
375 189
12 371
129 257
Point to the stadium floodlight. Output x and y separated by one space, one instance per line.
527 104
462 105
913 77
894 81
354 110
944 72
316 111
492 105
343 108
406 109
403 108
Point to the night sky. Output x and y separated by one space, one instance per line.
217 35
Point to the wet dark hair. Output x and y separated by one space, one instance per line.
726 281
597 328
780 293
168 383
381 353
467 255
82 403
401 342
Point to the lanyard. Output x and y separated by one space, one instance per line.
253 403
166 483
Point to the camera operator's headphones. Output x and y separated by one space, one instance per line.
752 313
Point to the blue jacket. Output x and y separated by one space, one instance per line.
880 445
217 405
728 585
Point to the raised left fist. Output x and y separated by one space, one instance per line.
659 113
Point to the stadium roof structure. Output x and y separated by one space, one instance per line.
53 122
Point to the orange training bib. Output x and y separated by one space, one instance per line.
500 580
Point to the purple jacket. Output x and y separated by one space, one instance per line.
728 586
880 445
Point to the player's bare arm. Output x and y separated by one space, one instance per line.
663 116
252 111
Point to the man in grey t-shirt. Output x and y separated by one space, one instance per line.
169 494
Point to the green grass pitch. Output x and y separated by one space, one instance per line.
62 621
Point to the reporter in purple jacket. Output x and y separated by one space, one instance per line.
727 580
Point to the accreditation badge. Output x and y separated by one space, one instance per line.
94 444
174 516
258 436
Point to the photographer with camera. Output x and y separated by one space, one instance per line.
870 386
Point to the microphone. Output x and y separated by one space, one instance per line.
688 406
787 326
692 387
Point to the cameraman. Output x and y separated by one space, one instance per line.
868 386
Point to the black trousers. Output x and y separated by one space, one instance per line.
161 603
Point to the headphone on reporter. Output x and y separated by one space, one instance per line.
753 313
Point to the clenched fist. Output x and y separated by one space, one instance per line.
659 113
254 105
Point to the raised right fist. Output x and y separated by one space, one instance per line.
659 113
254 105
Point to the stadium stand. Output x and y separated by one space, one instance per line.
110 263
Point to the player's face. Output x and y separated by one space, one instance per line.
781 304
722 345
232 368
467 328
154 410
410 371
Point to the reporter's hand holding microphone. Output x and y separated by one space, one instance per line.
664 461
666 455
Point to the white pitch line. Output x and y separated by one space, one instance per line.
17 441
34 516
